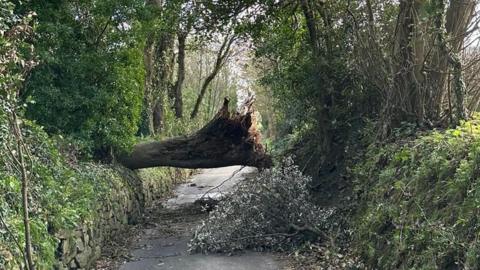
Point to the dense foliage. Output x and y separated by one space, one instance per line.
419 201
62 195
104 89
319 96
89 83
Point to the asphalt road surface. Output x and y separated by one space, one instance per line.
164 244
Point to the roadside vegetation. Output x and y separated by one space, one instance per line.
368 108
418 200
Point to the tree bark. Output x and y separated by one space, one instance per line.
458 18
178 102
158 116
407 97
163 72
146 125
225 141
371 18
311 25
451 28
222 55
158 57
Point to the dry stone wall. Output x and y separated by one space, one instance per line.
130 194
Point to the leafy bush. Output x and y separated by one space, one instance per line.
270 211
419 201
89 84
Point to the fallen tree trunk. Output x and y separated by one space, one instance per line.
225 141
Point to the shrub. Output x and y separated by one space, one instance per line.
269 211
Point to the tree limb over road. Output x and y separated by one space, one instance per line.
228 139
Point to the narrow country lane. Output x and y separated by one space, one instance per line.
163 243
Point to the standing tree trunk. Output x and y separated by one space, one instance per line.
159 71
163 72
405 101
423 57
222 56
311 26
157 82
316 15
178 102
453 26
158 116
146 125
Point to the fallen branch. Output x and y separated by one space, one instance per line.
286 235
223 182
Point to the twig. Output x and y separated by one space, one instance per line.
223 182
307 228
256 236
